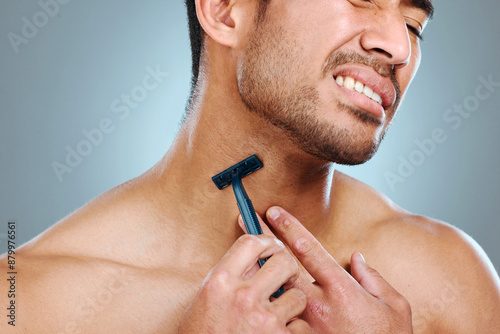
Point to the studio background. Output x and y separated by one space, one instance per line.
68 75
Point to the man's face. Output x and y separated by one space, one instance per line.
310 66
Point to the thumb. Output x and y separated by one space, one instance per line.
369 278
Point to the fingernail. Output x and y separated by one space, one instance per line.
240 222
280 243
273 213
362 257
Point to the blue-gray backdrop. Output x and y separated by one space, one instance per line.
67 66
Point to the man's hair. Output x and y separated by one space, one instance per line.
196 38
196 35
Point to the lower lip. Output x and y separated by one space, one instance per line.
362 101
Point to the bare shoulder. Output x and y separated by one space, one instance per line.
447 277
442 271
119 226
99 270
59 288
56 293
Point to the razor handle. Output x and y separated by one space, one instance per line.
253 227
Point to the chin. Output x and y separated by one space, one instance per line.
343 151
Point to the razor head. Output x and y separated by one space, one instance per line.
245 167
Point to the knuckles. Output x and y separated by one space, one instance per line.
374 273
217 283
401 304
249 241
316 309
263 319
245 297
304 246
300 297
287 261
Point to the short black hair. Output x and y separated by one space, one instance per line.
196 38
196 35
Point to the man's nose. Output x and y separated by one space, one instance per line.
387 38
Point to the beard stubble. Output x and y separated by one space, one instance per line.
270 85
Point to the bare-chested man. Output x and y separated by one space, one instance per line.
303 84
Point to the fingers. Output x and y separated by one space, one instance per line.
370 279
299 326
245 252
302 282
263 225
315 259
279 269
378 287
290 305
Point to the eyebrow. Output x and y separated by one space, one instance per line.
426 5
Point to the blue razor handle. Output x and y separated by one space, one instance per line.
249 216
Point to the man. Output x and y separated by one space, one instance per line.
302 84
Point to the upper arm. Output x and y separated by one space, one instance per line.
448 279
42 298
62 294
455 288
475 284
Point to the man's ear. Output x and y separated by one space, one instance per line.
221 19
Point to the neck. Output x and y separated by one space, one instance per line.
218 134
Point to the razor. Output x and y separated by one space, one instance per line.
233 175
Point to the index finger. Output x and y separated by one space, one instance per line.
308 250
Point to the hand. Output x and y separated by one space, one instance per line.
338 302
235 296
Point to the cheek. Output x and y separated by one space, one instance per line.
318 27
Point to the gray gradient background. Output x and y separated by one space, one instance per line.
66 78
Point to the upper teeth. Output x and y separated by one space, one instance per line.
352 84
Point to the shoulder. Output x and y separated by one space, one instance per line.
447 277
58 293
120 226
442 270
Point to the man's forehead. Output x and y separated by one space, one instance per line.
425 5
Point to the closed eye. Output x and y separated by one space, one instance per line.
416 32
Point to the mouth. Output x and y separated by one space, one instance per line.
357 86
363 87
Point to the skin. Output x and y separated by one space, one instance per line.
164 253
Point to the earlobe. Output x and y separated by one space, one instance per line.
215 19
